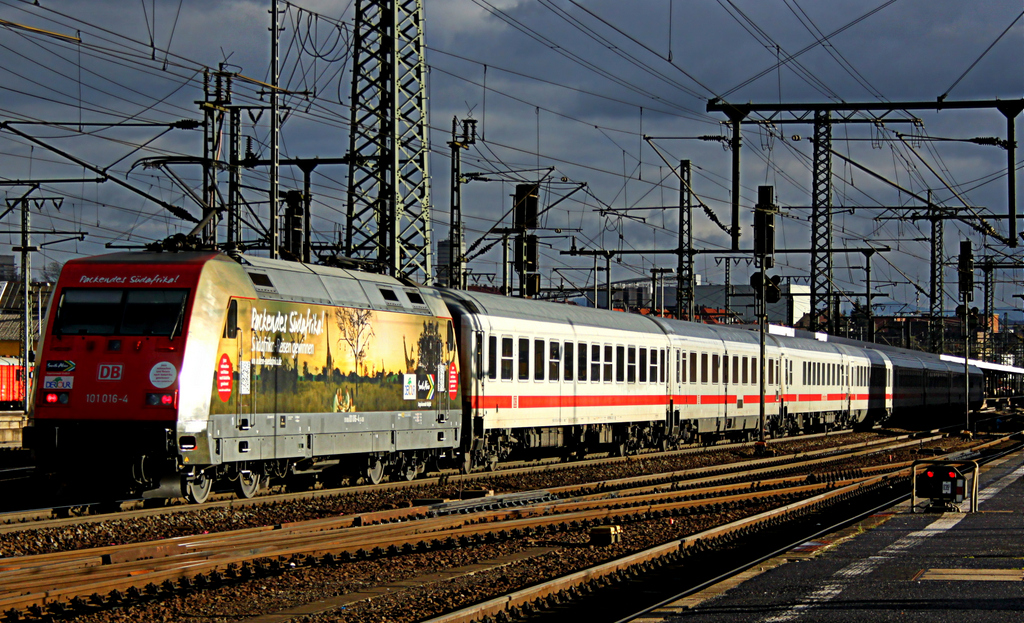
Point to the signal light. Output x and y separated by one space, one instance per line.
930 474
159 400
53 398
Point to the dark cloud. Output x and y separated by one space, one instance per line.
573 91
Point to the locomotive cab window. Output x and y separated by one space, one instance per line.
116 311
231 325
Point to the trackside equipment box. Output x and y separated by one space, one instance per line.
942 482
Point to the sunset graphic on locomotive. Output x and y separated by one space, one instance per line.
317 358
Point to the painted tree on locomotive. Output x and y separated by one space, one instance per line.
165 374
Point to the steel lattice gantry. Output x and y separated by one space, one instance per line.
389 190
821 223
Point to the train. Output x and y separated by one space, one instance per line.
12 386
172 374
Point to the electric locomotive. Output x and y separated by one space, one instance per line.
167 374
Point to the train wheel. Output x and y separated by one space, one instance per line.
467 463
199 489
375 471
247 485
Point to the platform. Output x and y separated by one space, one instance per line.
11 423
893 566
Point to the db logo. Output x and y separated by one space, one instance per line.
110 371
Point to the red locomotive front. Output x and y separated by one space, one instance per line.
107 371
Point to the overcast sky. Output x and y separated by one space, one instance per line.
552 83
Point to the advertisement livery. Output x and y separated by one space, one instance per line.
172 372
319 358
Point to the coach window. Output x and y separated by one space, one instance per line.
771 372
662 364
643 365
620 364
539 362
703 367
492 356
608 363
714 368
743 368
680 360
506 359
554 353
725 369
524 359
581 356
595 363
753 370
693 367
568 361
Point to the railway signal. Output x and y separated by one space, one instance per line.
764 225
965 270
772 290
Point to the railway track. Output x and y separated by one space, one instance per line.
44 516
662 516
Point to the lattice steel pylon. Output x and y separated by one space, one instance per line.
821 222
936 322
389 184
684 260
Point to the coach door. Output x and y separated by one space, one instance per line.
728 409
239 313
447 378
242 373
